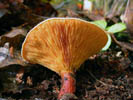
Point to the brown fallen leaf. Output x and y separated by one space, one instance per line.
128 16
116 8
15 37
93 16
7 59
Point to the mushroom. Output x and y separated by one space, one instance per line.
62 45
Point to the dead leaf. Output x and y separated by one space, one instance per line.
93 16
6 59
128 16
15 37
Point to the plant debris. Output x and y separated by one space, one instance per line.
107 75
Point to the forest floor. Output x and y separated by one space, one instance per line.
107 75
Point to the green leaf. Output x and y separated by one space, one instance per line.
119 27
107 44
100 23
122 35
91 0
44 1
107 28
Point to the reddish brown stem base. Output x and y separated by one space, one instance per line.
68 84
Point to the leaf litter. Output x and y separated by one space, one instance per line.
105 76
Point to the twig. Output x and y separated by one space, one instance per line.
127 46
101 81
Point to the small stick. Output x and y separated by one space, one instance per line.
101 81
127 46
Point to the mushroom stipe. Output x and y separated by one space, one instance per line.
62 45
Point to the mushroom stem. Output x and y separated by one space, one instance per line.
68 84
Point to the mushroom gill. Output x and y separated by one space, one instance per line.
62 45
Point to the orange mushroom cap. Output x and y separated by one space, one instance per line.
63 44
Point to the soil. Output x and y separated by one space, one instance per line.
98 78
105 76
